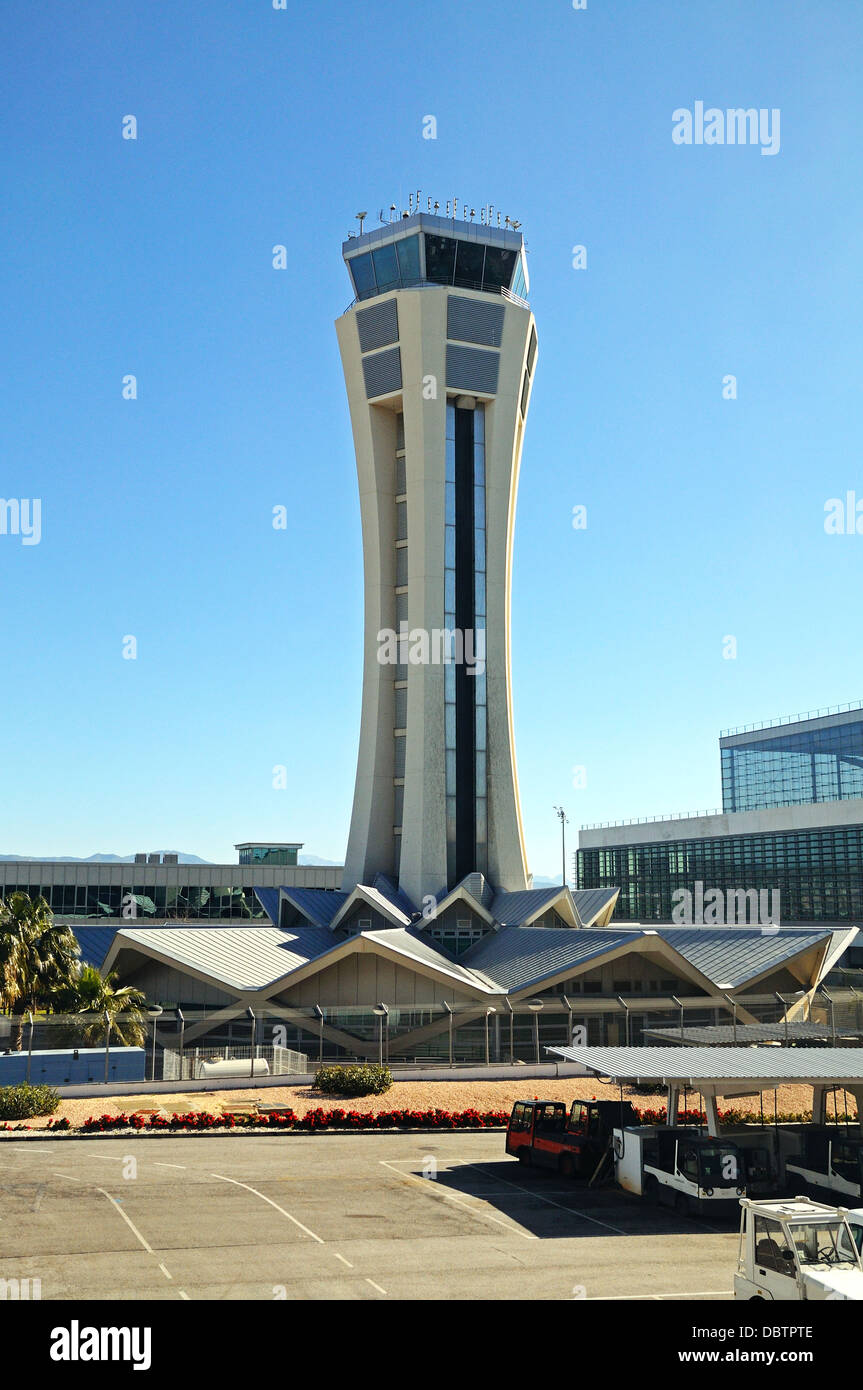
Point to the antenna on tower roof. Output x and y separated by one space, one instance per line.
361 217
392 210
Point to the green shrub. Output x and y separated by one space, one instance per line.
370 1080
22 1102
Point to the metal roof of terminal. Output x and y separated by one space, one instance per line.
731 955
698 1066
590 903
510 909
520 956
240 957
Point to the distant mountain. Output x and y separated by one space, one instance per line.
96 858
313 861
540 882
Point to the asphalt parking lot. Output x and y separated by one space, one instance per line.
394 1216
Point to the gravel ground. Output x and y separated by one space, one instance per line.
419 1095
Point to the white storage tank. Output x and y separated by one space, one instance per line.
234 1066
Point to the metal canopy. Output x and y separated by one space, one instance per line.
725 1034
722 1071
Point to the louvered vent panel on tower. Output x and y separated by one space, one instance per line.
383 372
378 325
471 321
471 369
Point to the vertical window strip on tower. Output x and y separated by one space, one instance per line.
449 624
401 607
480 695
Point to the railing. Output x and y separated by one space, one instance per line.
438 285
653 820
792 719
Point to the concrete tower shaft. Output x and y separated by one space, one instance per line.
438 374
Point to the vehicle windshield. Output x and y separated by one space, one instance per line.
757 1163
720 1163
821 1243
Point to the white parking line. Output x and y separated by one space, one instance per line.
166 1272
156 1164
377 1286
115 1204
430 1185
343 1260
237 1183
67 1175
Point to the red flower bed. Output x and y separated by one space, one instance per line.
313 1120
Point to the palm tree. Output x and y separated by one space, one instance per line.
90 996
37 957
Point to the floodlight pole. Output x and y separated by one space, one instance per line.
564 822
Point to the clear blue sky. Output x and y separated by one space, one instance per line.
258 127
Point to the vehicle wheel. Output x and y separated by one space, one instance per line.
567 1166
681 1203
651 1190
524 1157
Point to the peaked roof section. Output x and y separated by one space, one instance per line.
243 958
595 906
519 908
395 895
516 957
318 905
461 893
416 946
732 955
373 897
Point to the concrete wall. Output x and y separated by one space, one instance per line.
818 816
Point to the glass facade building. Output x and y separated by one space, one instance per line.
819 873
794 764
268 854
193 902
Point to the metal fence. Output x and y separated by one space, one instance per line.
295 1040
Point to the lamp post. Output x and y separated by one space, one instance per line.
511 1031
381 1011
488 1013
251 1017
536 1006
182 1022
319 1015
154 1012
29 1047
450 1012
107 1018
564 822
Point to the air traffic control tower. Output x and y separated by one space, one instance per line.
438 350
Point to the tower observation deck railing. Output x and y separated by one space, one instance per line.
437 285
